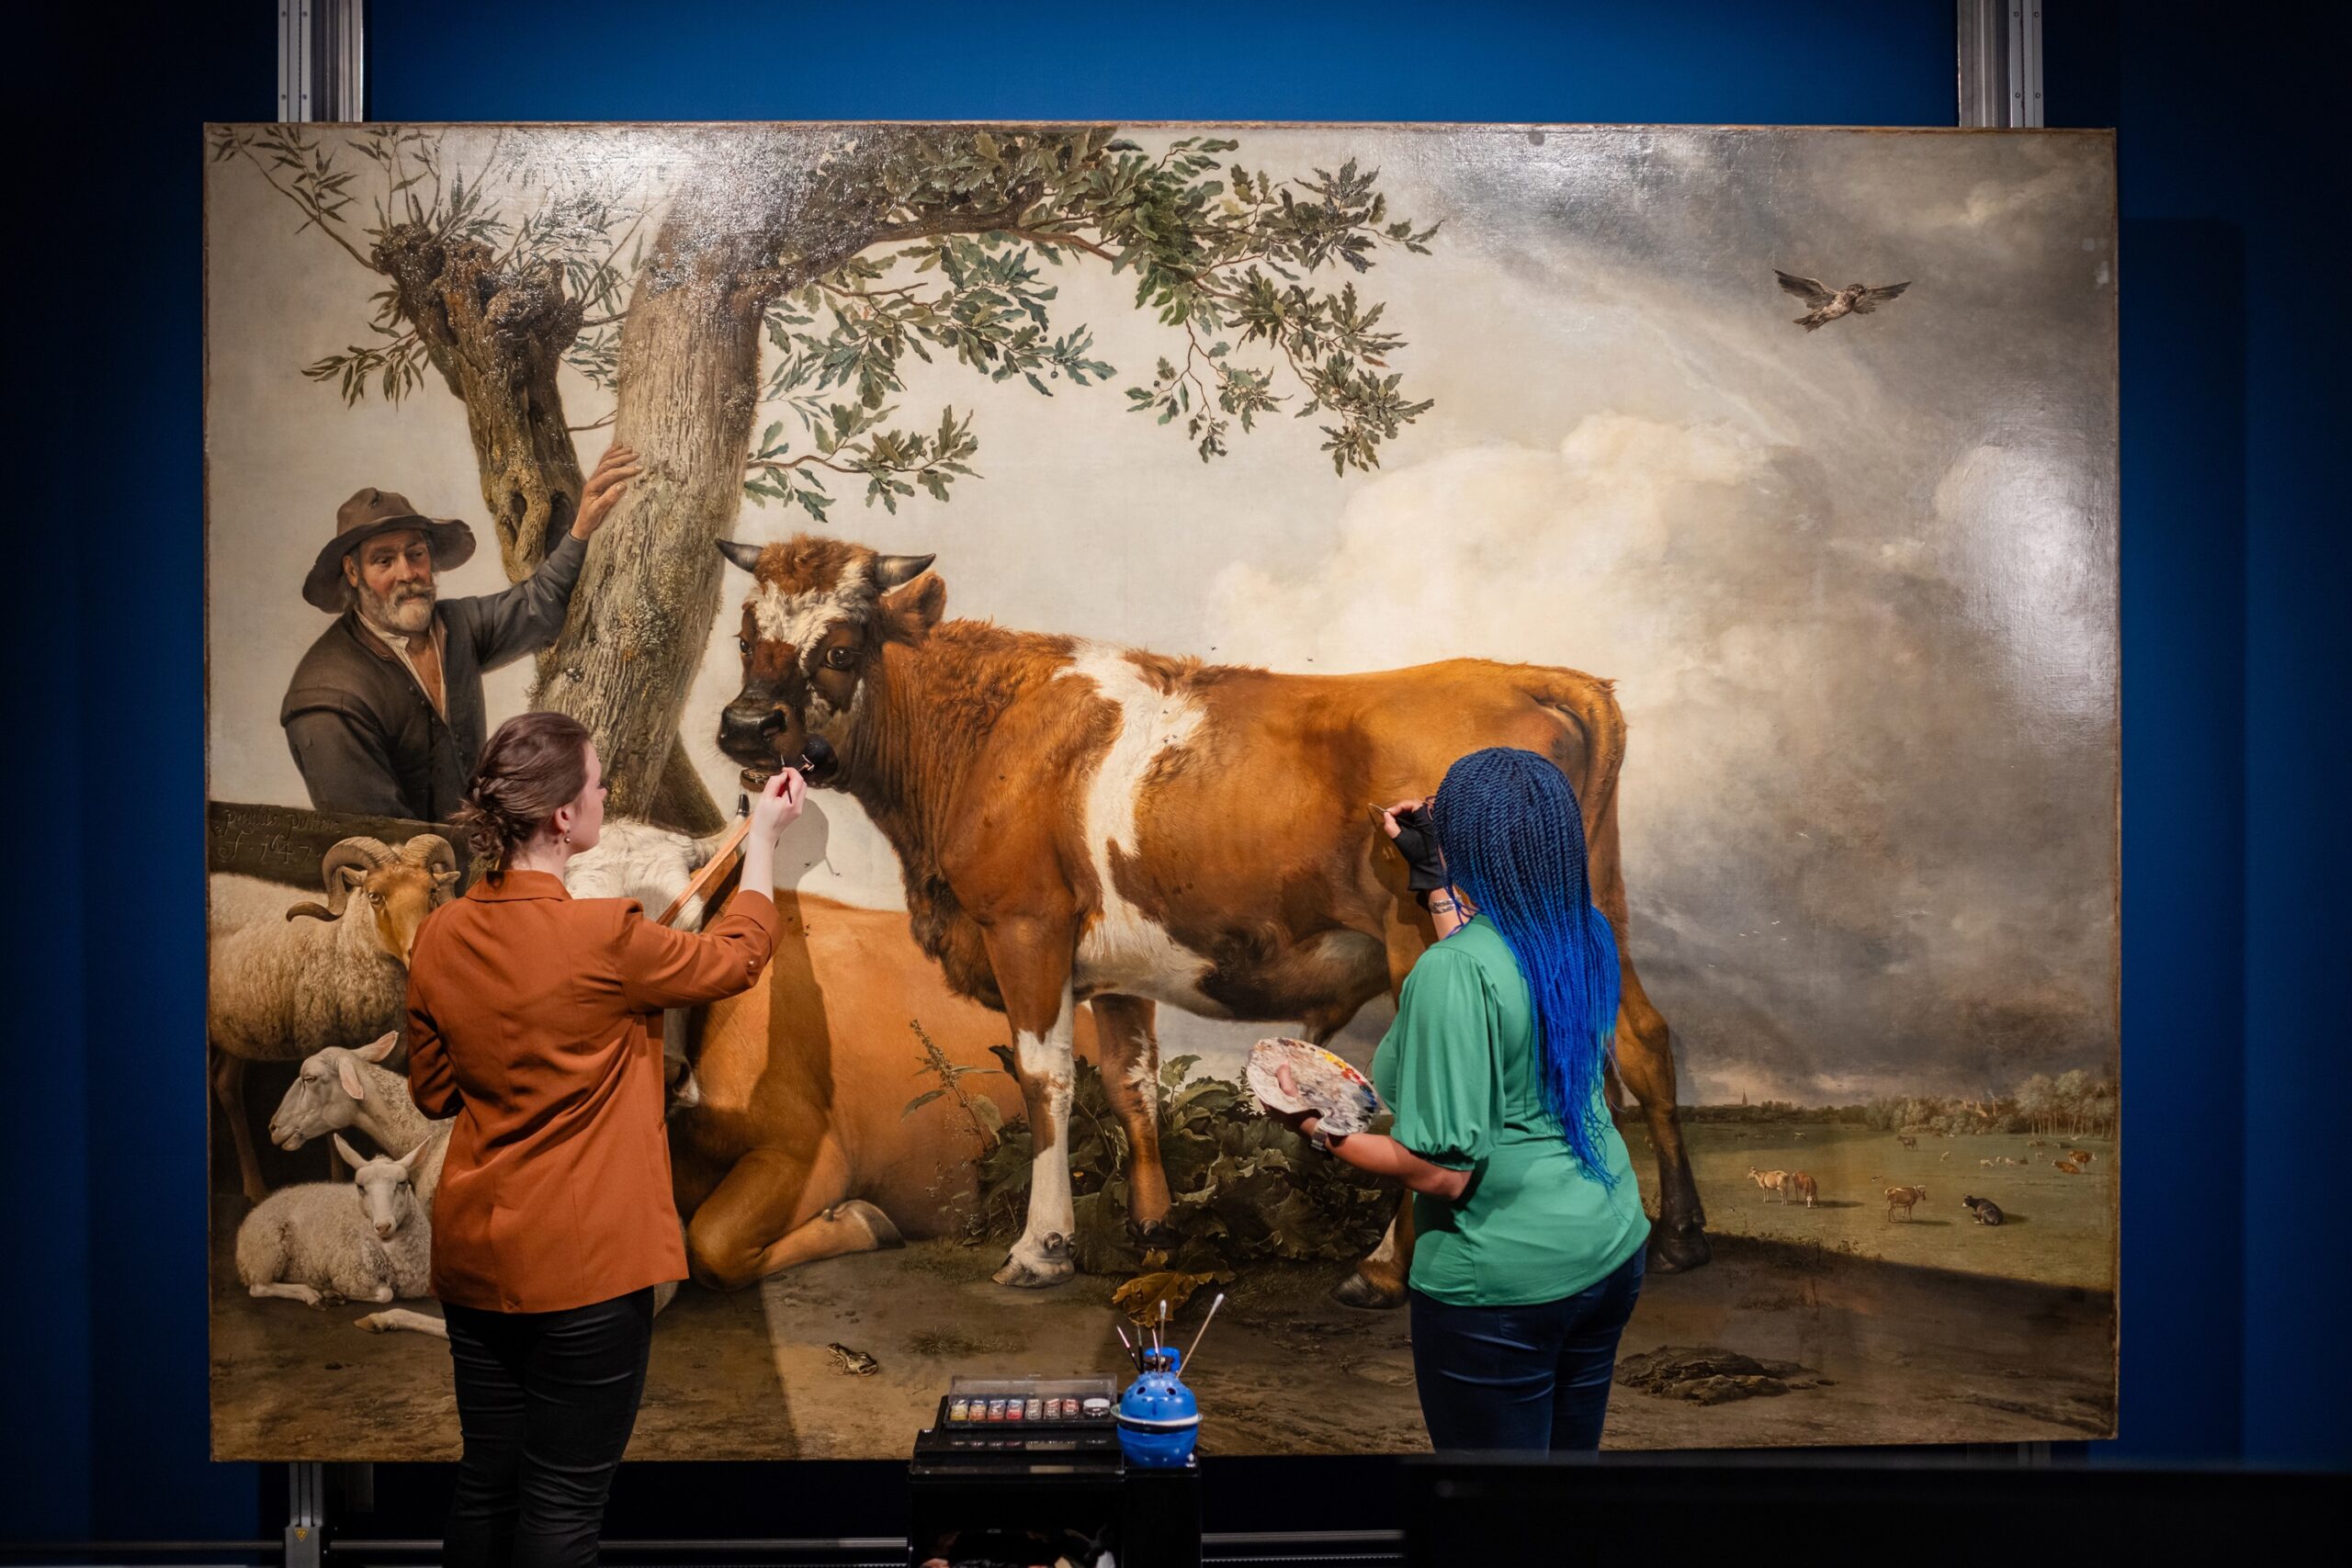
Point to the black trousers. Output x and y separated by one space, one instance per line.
545 1401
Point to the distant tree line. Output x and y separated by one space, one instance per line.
2073 1104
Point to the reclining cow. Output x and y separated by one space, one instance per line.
1077 821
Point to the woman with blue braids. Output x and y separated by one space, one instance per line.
1531 1230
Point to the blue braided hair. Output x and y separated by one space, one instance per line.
1512 835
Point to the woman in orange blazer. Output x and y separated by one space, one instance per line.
535 1021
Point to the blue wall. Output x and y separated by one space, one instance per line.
2235 564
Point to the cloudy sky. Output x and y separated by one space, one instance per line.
1857 586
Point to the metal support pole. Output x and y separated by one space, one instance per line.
2000 62
306 1515
322 63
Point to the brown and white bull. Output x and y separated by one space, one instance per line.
1081 822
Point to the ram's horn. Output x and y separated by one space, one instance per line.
358 854
434 853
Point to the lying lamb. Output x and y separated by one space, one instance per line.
367 1241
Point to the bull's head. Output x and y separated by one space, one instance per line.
817 618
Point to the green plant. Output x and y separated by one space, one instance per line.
1245 1187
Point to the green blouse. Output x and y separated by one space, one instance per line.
1459 1069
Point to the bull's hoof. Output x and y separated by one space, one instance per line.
1155 1232
1034 1268
1361 1291
1678 1252
861 1216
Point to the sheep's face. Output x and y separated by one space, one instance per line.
315 1105
385 1195
398 896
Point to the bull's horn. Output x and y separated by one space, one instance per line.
743 552
891 571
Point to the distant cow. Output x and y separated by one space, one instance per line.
1802 1185
1985 1212
2068 1166
1074 820
1906 1140
1903 1198
1771 1181
2080 1156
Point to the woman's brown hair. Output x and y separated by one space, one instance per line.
533 763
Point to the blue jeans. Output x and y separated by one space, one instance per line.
1522 1377
545 1402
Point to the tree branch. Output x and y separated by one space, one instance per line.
316 216
807 460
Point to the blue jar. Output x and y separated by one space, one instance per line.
1158 1419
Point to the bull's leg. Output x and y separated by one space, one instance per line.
1378 1281
228 1090
1032 959
1646 1063
776 1209
1129 1045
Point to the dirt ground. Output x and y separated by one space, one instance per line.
1915 1355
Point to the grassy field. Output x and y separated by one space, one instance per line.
2060 1229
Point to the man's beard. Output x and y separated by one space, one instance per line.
407 610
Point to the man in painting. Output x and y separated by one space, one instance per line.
384 713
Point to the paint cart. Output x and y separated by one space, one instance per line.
1010 1465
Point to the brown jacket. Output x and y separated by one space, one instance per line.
535 1018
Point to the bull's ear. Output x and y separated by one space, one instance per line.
892 572
916 608
743 552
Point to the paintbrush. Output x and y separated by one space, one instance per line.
1203 1329
1163 1326
1132 1355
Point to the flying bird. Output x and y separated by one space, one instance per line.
1828 304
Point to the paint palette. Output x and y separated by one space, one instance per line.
1325 1084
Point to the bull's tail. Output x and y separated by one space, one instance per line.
1589 704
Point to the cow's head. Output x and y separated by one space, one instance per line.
817 618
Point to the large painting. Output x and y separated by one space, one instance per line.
1105 516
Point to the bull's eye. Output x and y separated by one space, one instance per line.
744 644
842 657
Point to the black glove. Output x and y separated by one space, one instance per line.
1417 841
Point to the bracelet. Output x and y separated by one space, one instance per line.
1442 907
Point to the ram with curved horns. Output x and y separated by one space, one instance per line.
332 974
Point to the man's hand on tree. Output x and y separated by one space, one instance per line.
605 489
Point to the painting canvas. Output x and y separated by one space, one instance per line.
1106 518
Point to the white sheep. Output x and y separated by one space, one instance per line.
653 865
343 1088
367 1240
279 991
637 860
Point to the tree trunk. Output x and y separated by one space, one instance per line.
642 614
766 216
498 339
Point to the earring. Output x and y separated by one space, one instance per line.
567 841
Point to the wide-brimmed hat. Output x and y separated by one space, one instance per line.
365 516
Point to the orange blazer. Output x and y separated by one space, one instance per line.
535 1018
